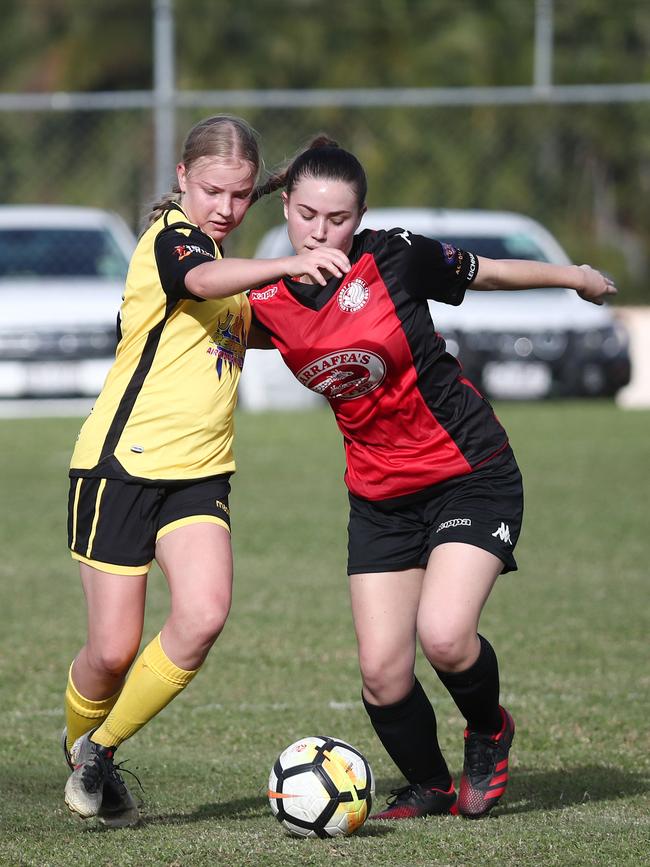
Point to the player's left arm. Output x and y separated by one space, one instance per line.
505 274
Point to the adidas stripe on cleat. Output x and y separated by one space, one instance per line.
485 771
415 800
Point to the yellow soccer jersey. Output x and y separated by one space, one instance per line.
165 412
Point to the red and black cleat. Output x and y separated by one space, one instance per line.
485 771
414 800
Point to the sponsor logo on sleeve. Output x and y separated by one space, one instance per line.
182 251
472 266
450 253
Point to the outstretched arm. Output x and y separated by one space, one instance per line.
223 277
507 274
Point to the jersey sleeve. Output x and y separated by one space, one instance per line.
177 251
432 269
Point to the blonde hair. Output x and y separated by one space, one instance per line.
222 136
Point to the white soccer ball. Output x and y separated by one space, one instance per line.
321 787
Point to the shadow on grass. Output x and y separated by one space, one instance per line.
531 790
238 809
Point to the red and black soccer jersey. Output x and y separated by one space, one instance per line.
367 343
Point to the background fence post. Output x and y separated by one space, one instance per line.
164 94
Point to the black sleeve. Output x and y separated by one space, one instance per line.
431 269
177 252
255 323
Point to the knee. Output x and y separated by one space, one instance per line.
112 660
202 624
450 651
385 679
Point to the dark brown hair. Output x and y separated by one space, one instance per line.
322 158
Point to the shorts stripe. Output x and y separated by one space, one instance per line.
192 519
77 494
93 530
112 568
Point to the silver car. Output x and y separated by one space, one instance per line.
62 272
544 342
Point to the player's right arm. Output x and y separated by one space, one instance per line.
221 278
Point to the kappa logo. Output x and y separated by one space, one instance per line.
503 533
454 522
354 296
263 294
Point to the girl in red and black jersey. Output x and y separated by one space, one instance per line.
435 492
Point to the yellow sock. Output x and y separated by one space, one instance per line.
82 714
152 683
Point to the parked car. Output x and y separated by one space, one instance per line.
540 343
62 272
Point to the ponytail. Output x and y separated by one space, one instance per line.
158 208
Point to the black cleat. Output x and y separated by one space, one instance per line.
485 771
415 800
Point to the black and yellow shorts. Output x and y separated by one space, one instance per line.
114 525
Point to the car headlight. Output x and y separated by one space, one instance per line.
608 341
550 345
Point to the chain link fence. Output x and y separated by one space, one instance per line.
581 169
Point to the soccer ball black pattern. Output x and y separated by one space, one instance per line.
321 787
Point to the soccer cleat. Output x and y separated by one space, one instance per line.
95 787
415 800
485 771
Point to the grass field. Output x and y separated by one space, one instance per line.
571 629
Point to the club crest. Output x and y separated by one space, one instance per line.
353 296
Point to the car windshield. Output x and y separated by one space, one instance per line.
45 252
499 246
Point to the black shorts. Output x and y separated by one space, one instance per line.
114 525
483 508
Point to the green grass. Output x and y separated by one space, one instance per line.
571 629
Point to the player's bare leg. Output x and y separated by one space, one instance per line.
384 606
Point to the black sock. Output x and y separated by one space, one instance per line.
476 690
408 731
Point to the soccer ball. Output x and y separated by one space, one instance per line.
321 787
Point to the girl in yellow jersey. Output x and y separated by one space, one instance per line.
150 470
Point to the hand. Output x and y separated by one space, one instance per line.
595 286
319 264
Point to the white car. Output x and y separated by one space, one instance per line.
512 345
62 272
